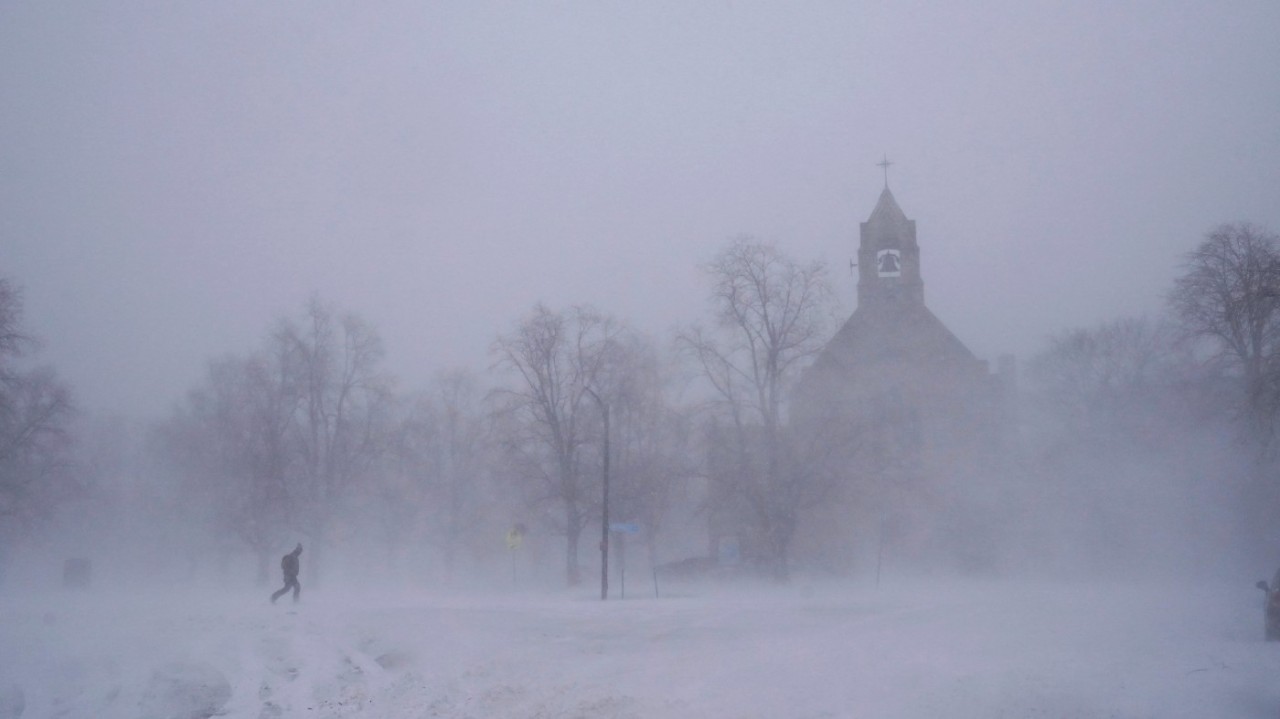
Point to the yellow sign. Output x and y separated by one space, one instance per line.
514 538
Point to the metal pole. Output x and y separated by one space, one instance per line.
604 512
604 509
879 548
653 567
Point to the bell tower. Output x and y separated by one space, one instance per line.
909 403
889 259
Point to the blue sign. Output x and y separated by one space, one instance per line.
624 527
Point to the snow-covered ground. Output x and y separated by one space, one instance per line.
921 649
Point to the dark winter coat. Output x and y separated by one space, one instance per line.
289 563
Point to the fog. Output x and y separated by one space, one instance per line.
176 176
410 285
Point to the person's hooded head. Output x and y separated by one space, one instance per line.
298 549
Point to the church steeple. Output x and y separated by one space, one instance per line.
887 211
884 165
888 258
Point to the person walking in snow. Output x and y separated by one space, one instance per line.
289 563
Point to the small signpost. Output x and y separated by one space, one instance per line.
622 529
515 537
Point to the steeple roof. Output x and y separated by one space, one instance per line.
911 335
887 210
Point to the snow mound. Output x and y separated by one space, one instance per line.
185 690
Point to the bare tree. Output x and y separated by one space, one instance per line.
1229 293
36 473
556 358
439 484
36 469
1098 381
275 443
770 319
651 444
462 460
13 339
1124 434
409 473
229 440
342 421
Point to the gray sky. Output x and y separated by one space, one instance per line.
174 176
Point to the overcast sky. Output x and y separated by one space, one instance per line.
175 176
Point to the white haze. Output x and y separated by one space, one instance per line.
176 177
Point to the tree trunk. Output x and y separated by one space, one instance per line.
780 533
573 572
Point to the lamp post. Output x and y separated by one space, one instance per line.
604 507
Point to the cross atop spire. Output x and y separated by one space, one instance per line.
885 164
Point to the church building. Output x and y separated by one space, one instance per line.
922 422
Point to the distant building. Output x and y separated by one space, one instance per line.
923 423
